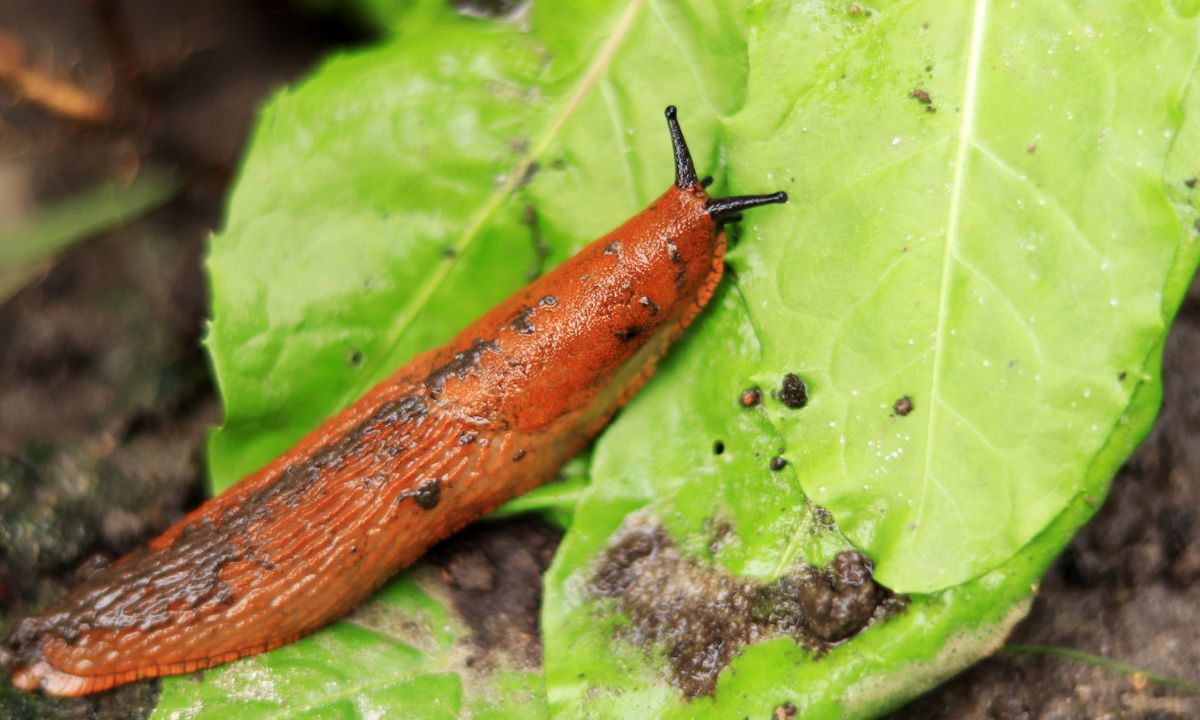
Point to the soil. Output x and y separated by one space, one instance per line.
106 397
493 572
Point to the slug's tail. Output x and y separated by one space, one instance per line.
719 209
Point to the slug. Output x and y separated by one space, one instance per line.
444 440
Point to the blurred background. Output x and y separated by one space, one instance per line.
121 125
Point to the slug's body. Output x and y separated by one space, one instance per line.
444 440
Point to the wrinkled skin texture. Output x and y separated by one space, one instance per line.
444 440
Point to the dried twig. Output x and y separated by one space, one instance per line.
56 95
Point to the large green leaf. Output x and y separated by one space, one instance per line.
1001 260
1045 243
1007 254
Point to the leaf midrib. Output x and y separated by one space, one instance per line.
479 218
965 133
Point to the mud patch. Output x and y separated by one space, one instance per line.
701 616
494 575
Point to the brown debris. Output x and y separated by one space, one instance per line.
55 95
701 616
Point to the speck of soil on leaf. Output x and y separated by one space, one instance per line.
903 406
921 95
1032 148
1190 182
751 397
719 532
793 392
701 616
786 711
823 517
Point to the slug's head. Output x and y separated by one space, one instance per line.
721 210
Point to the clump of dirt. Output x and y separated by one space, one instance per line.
922 96
494 573
702 615
793 392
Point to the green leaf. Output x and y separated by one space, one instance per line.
1047 243
1001 261
555 501
403 653
1008 255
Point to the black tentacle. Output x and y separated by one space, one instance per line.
724 208
720 209
685 171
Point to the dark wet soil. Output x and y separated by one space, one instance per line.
494 572
105 396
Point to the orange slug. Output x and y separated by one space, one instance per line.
445 439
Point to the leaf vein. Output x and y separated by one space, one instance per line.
966 129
